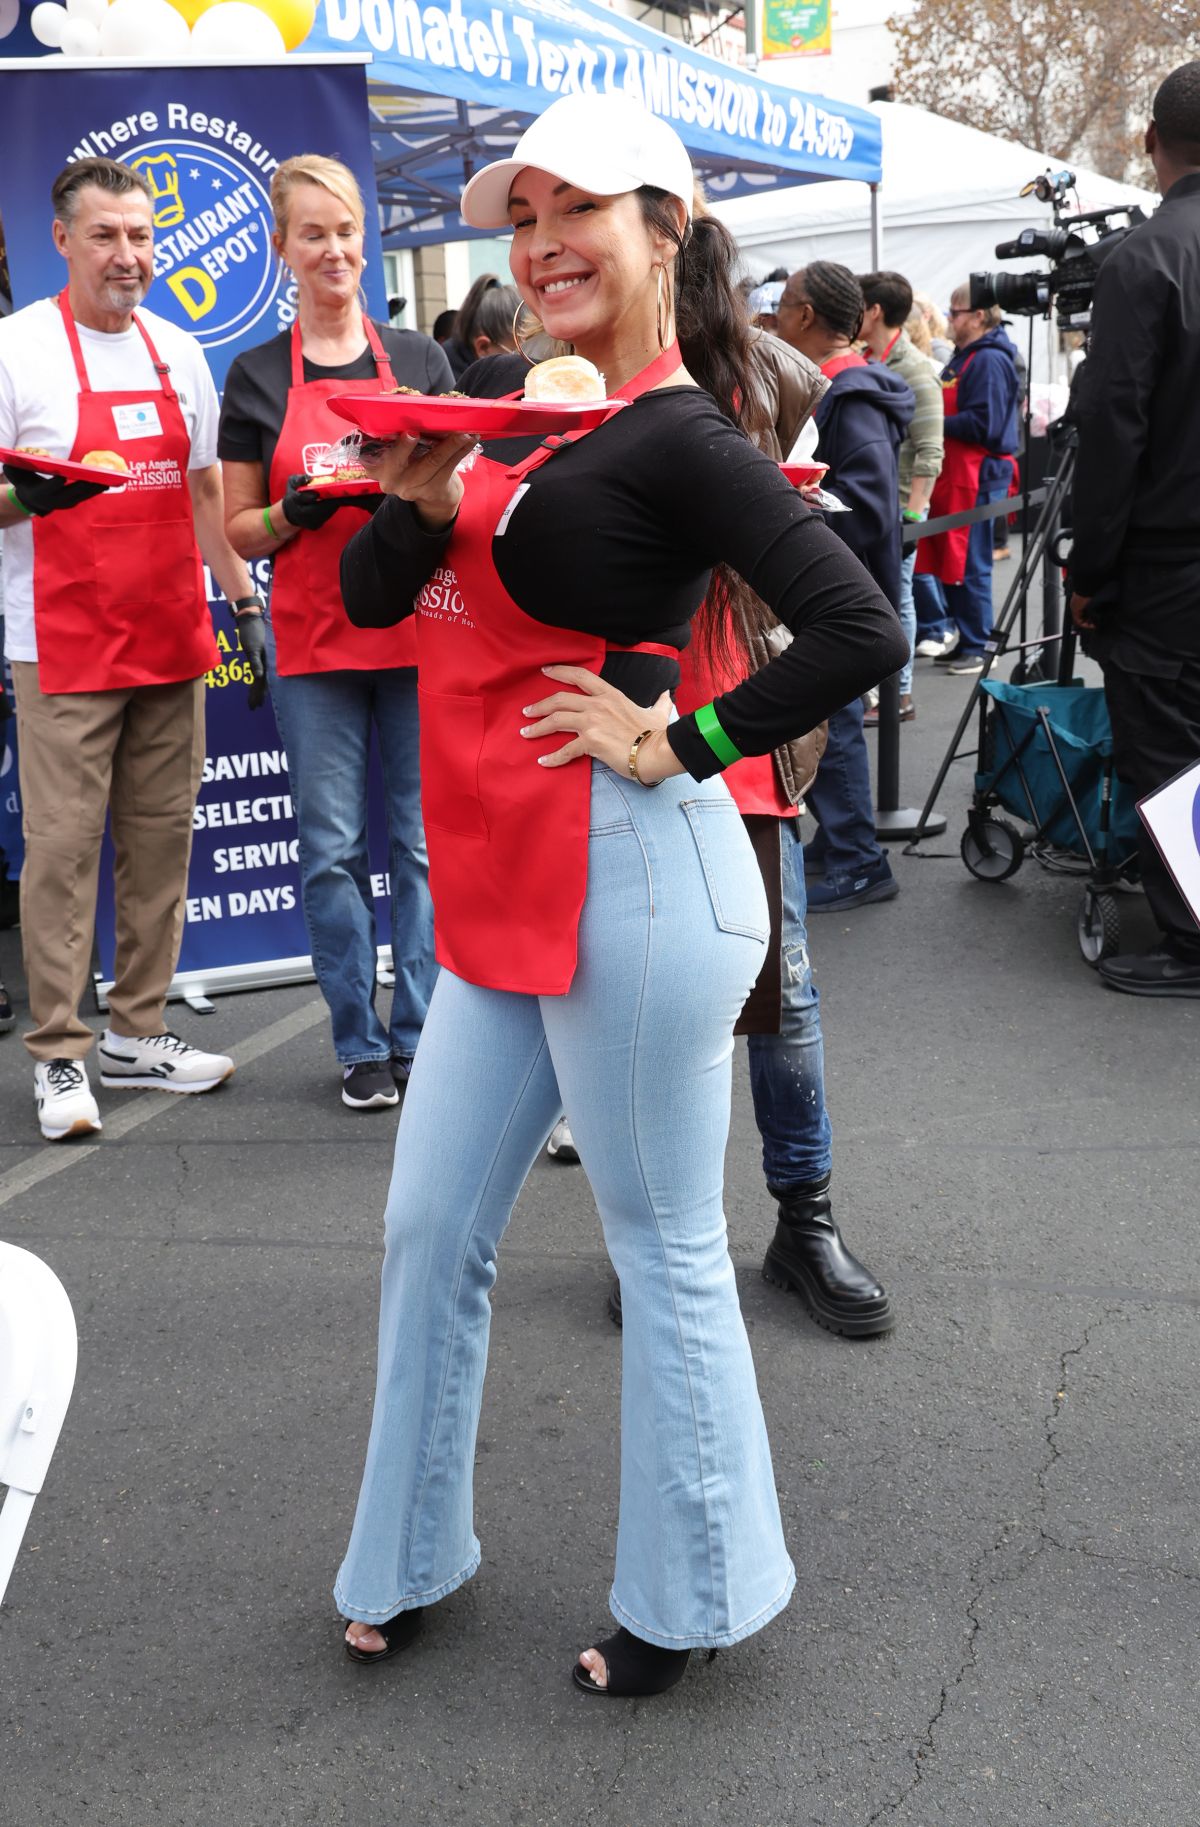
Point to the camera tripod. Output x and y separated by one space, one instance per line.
1041 550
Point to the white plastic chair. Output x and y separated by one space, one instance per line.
38 1347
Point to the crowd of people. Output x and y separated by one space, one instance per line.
593 773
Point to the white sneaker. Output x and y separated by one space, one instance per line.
930 647
561 1146
162 1063
65 1104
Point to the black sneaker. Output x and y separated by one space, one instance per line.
7 1018
401 1065
369 1085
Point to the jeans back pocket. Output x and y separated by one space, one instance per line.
735 888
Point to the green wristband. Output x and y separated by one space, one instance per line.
708 723
267 521
13 496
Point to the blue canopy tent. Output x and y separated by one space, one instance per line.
453 83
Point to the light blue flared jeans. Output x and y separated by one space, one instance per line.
639 1052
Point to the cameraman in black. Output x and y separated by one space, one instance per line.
1136 557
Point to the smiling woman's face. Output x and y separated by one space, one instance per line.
585 265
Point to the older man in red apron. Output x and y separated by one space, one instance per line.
108 634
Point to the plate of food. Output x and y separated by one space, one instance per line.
561 395
103 466
804 475
347 480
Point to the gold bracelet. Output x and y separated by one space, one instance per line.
633 760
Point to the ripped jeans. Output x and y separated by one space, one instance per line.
787 1070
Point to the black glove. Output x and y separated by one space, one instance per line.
252 633
44 494
308 507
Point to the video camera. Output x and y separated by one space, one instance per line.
1070 282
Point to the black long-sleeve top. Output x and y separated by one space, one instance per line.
1137 480
618 536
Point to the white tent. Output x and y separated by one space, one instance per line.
949 194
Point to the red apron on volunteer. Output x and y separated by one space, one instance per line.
508 840
956 491
311 630
90 624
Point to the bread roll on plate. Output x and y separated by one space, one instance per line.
563 378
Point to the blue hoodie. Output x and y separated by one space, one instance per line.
987 401
861 423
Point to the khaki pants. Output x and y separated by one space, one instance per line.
138 753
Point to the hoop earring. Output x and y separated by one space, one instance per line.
658 312
517 314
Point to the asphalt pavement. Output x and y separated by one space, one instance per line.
992 1511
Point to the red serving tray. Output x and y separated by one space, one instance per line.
804 475
425 415
349 485
62 466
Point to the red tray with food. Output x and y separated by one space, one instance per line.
110 476
804 475
343 485
425 415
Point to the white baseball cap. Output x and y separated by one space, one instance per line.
607 144
764 299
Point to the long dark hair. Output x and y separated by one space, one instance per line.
715 340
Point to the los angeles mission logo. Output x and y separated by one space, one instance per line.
441 600
216 273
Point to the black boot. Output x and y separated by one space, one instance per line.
808 1256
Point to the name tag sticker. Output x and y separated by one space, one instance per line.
137 421
510 510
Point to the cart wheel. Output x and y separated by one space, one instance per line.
1098 926
992 849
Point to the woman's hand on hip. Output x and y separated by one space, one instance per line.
601 721
428 477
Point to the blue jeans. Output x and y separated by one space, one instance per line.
970 603
639 1051
907 611
840 798
930 605
787 1070
325 719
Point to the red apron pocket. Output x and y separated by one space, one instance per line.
451 745
118 553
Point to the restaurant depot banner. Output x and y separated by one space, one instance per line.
797 28
207 141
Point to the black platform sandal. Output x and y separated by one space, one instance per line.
397 1634
635 1667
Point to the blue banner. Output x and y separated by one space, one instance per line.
243 906
454 81
207 141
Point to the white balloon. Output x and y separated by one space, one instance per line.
143 28
91 10
235 29
80 38
47 23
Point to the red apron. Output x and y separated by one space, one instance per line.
956 491
508 840
753 781
118 586
312 631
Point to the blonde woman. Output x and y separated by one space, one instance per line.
331 683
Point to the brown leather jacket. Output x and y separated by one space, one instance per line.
788 387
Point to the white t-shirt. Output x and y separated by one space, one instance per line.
39 393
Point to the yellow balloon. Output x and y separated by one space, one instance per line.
293 17
191 9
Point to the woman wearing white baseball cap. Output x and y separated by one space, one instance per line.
597 938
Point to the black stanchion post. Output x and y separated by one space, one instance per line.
891 818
